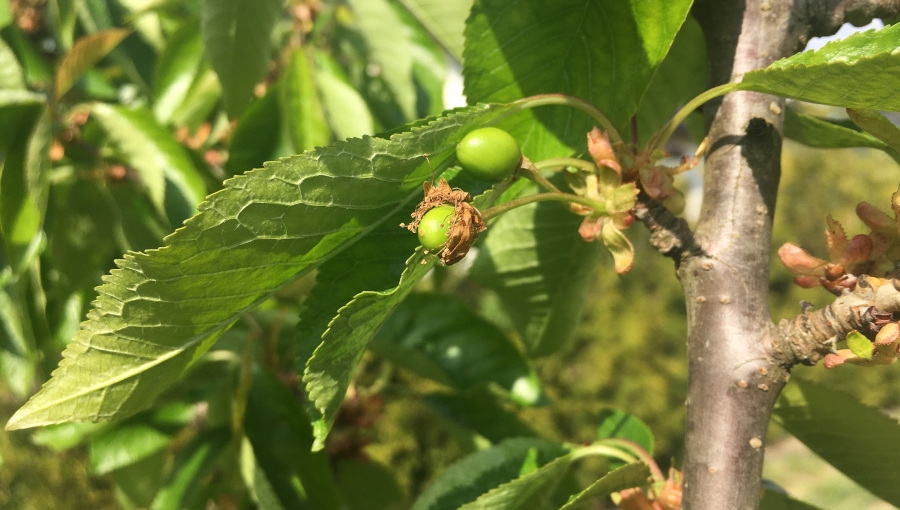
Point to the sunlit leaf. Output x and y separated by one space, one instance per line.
860 71
849 435
86 52
603 52
236 42
161 309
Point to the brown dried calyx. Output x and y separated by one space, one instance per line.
466 225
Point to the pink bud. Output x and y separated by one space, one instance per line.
799 262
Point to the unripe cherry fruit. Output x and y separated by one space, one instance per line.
489 153
434 227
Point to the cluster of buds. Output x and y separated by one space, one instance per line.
875 253
666 498
880 345
620 175
605 184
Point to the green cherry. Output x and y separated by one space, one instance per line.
489 153
434 227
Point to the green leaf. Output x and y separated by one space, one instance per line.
161 309
859 345
86 52
11 74
680 77
625 477
480 412
331 367
529 490
38 73
301 112
125 444
374 263
444 20
281 437
255 139
192 465
6 16
437 336
466 480
603 52
389 47
878 125
19 352
617 424
174 184
186 88
236 41
820 133
346 110
852 437
535 260
256 481
860 71
24 161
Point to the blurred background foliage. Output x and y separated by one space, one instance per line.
330 75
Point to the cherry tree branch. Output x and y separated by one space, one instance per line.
808 337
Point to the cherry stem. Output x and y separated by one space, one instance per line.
564 162
661 137
571 101
639 452
531 172
598 207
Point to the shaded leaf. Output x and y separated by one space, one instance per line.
161 309
255 139
173 183
847 434
859 71
86 52
439 337
878 125
24 161
236 42
192 466
535 260
820 133
186 88
625 477
331 367
281 437
480 412
602 52
680 77
444 20
530 490
389 47
347 112
302 114
466 480
125 444
617 424
11 74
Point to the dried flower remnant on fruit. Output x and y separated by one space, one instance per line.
465 226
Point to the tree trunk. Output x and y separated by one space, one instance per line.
733 382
